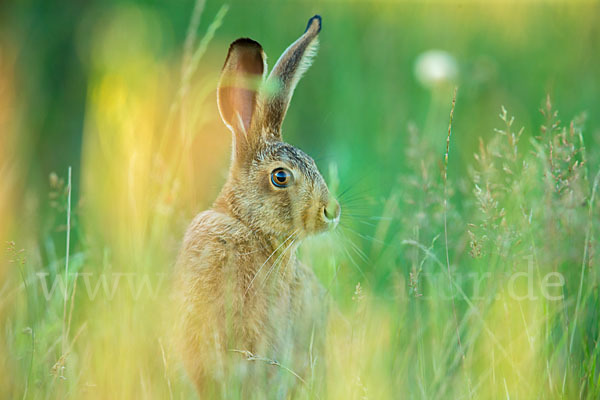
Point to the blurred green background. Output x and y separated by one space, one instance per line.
93 85
361 94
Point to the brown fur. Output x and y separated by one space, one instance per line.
241 286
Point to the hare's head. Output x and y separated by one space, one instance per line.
272 186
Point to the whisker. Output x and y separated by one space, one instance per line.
357 215
277 261
344 192
358 220
291 247
358 251
337 269
353 190
353 261
353 193
348 197
366 237
381 218
359 179
372 217
355 205
267 260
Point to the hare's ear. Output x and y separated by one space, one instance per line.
242 75
286 73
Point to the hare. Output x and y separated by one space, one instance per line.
244 294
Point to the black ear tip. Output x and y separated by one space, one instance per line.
248 54
316 20
245 42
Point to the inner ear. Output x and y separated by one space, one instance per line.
240 81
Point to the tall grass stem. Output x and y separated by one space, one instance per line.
66 296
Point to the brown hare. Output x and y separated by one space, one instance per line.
244 295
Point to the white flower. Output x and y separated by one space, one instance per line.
435 67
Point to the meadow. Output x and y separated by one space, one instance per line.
462 141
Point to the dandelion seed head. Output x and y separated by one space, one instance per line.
435 67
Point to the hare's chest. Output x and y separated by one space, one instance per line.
269 290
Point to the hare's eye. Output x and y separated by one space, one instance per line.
281 177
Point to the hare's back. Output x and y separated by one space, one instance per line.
207 269
211 240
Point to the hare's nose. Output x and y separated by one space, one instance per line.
332 211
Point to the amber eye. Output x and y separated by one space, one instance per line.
281 177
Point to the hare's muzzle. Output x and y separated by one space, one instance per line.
332 212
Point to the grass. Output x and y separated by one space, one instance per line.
464 274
